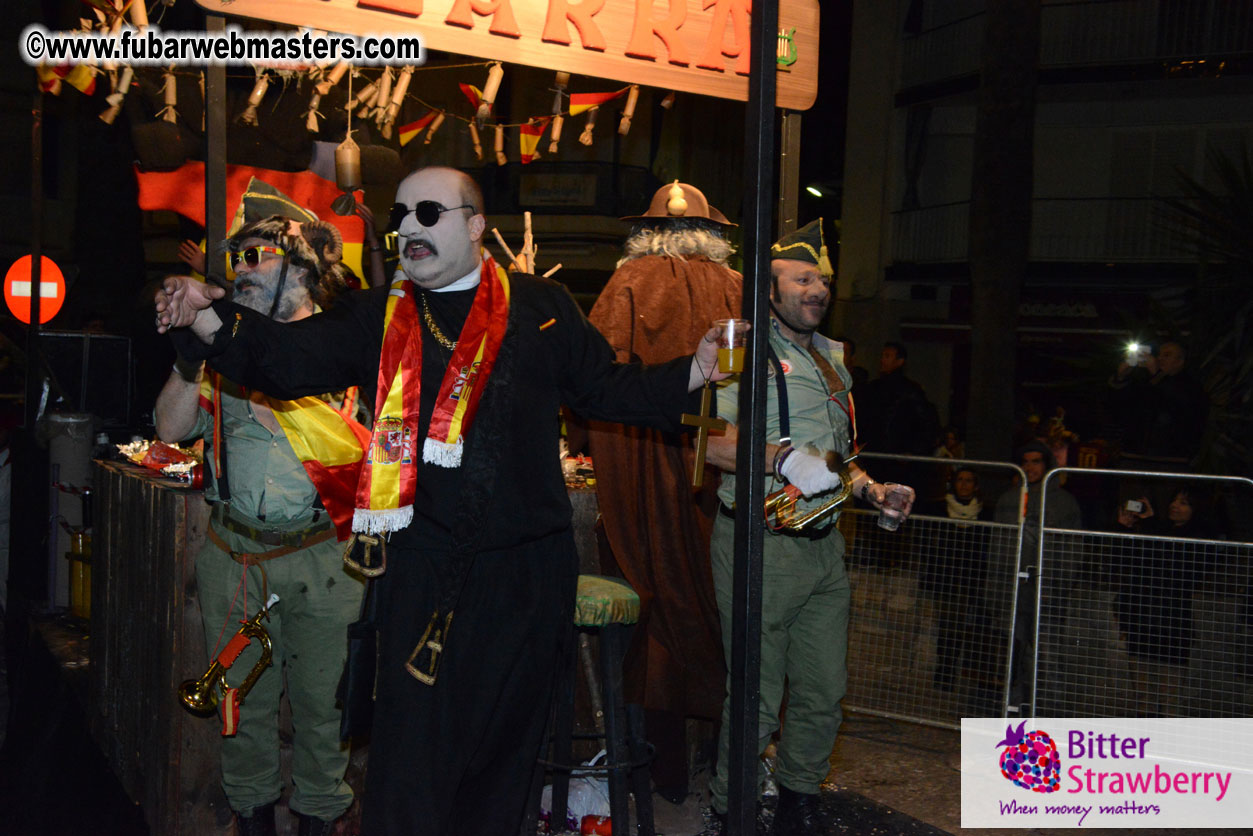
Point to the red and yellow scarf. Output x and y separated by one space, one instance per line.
329 442
389 474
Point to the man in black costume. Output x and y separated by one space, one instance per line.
470 367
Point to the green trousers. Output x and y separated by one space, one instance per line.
317 600
804 640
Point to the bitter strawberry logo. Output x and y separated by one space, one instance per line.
1030 760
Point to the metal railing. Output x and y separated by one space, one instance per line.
954 618
933 605
1140 624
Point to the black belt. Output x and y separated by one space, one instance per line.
803 534
223 517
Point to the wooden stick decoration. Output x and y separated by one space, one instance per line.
554 135
202 108
527 255
384 96
332 78
633 95
139 15
494 76
169 91
586 137
513 259
249 116
434 126
116 97
501 159
559 89
668 101
398 97
364 98
474 137
552 270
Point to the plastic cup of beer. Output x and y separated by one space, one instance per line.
892 514
732 344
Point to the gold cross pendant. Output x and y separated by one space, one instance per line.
704 422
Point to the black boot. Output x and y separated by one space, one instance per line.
797 814
260 823
309 826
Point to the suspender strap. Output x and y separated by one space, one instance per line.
785 425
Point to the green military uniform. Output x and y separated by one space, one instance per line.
805 588
271 494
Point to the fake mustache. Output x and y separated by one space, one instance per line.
414 243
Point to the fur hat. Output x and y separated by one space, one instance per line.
805 244
681 201
314 245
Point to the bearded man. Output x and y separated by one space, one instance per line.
272 532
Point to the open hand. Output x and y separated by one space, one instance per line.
189 253
180 299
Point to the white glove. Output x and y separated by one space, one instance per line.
809 473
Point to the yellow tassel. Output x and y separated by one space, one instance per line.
824 263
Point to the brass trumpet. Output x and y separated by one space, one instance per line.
201 696
782 503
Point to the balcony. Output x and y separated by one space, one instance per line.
1126 230
1087 33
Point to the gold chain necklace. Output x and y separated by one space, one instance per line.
450 345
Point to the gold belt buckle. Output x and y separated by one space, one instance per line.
430 650
366 543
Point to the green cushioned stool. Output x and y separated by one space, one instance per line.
609 608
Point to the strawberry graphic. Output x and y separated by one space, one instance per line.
1030 760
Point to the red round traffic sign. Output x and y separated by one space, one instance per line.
17 287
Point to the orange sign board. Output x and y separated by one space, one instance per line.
17 288
696 46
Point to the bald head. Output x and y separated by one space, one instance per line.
437 255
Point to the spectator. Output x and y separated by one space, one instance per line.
1162 409
953 578
1060 511
896 417
1154 601
860 376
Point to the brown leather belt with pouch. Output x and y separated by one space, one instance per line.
285 542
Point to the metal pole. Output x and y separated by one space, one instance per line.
759 188
215 156
215 192
789 174
33 363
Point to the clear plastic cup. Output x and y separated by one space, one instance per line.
732 344
892 513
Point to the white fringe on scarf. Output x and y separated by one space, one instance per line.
369 521
441 453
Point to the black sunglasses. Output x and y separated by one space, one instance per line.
428 213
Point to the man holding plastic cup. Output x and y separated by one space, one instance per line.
805 588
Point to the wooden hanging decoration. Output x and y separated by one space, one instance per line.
249 116
628 111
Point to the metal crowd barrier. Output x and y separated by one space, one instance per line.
1139 624
933 607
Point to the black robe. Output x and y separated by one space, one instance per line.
456 757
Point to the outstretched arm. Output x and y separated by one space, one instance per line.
183 302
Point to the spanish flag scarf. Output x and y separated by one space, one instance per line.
329 441
389 474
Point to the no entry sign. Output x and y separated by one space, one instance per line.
17 288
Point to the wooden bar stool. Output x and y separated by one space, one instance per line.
608 607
